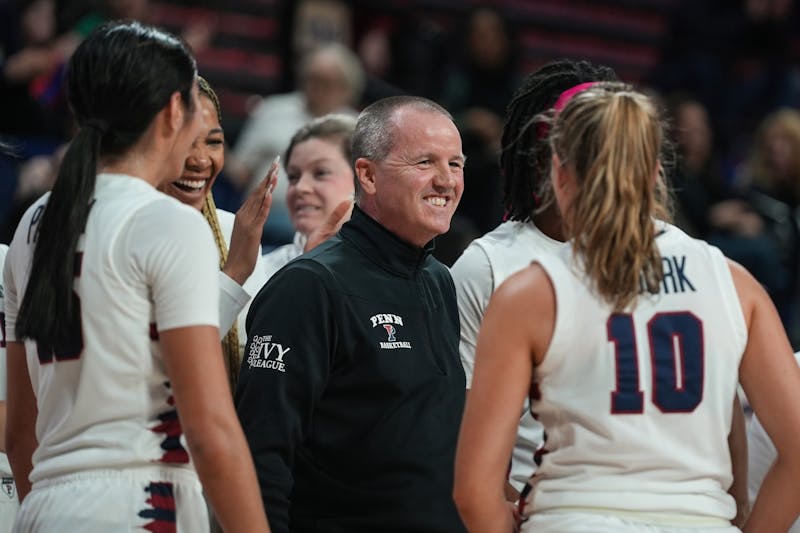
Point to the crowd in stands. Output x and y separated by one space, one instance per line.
732 88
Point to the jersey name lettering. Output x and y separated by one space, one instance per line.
675 279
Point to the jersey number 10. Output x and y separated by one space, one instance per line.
676 357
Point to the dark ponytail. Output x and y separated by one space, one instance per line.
118 79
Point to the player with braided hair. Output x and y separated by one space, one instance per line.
533 224
238 238
525 154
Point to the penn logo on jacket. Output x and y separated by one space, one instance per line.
267 354
389 322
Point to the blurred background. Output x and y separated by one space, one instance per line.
726 73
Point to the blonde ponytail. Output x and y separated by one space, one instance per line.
609 137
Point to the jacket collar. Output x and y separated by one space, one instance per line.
382 246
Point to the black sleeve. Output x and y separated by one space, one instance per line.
284 369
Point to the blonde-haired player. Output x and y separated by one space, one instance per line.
630 342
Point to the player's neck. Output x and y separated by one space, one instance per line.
549 223
143 160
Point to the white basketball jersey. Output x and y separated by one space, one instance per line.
5 468
505 250
146 263
252 284
637 405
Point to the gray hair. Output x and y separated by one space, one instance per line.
348 63
373 138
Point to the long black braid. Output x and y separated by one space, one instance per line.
525 152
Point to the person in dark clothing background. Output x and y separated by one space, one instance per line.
352 390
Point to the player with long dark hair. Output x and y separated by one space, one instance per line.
117 397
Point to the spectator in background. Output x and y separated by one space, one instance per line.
36 41
319 22
331 80
741 67
35 177
477 90
37 38
402 50
771 175
774 163
320 176
33 57
697 179
485 76
713 210
37 53
707 204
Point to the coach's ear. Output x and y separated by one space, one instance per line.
365 174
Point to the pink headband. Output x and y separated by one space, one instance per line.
567 95
543 128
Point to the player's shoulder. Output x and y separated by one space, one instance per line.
673 242
513 237
168 215
671 235
478 254
165 228
25 233
34 211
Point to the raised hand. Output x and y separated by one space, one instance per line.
248 227
327 229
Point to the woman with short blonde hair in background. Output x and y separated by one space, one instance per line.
320 177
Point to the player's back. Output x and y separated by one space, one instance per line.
104 401
637 405
485 264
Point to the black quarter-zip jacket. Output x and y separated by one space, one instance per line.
351 390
